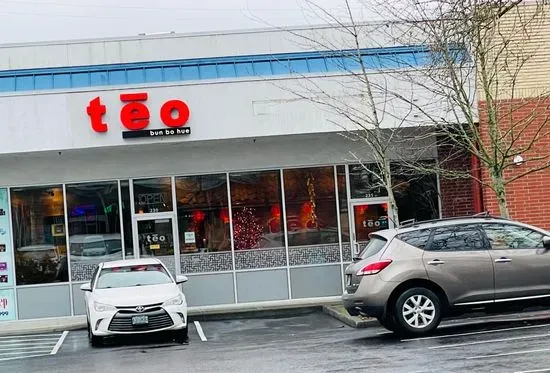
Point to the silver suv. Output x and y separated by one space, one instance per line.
410 277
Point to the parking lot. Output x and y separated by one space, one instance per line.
309 342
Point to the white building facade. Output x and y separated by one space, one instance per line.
192 148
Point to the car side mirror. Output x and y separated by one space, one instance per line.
546 242
86 287
180 279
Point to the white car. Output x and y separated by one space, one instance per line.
134 297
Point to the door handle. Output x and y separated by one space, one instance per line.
503 260
436 262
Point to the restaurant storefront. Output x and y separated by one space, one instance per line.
221 175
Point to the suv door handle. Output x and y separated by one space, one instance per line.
436 262
503 260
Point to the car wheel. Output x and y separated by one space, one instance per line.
182 336
387 321
94 340
417 312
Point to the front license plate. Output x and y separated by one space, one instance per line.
140 320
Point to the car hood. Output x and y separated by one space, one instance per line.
136 296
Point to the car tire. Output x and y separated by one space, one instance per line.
182 336
417 312
95 341
387 321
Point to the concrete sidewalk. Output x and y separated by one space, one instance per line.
249 310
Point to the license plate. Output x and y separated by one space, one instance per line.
140 320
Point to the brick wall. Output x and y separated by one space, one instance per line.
457 197
528 197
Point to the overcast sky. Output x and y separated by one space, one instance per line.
41 20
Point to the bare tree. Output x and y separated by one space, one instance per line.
482 53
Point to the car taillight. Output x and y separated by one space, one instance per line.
374 268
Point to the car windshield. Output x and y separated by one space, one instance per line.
129 276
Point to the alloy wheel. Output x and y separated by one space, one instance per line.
418 311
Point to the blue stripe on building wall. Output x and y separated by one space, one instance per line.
39 79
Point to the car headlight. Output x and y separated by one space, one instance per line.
174 301
100 307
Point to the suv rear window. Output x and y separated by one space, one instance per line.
418 238
375 244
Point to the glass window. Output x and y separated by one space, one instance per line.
62 80
190 72
226 70
94 223
153 195
244 69
153 74
310 200
508 236
172 74
256 209
7 84
208 71
316 65
99 78
363 182
298 66
262 68
24 83
80 79
418 238
343 199
374 246
127 218
457 238
117 77
280 67
43 81
334 64
135 76
416 195
203 213
39 235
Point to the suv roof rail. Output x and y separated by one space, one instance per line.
413 222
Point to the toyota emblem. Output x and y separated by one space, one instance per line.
140 308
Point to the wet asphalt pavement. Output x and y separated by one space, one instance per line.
311 342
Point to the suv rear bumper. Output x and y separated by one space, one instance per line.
358 308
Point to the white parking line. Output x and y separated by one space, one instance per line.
33 336
200 331
524 352
59 343
22 357
40 351
475 333
534 371
490 341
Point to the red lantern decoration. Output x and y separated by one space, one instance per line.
276 211
224 215
385 207
198 216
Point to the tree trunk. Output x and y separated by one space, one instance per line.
500 192
393 215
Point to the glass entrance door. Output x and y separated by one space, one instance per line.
155 238
367 217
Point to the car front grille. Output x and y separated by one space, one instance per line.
158 319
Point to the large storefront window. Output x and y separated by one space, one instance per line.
39 235
364 183
416 195
203 221
257 219
203 213
153 195
310 200
94 226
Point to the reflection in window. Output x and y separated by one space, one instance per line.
39 235
203 213
363 182
153 195
256 210
94 222
456 238
509 237
343 200
310 199
416 195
